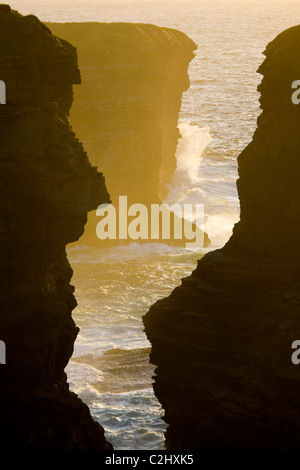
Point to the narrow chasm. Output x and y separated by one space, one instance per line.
126 112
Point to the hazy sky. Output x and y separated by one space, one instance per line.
85 10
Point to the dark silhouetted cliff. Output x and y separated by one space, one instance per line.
47 187
222 340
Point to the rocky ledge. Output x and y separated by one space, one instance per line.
47 187
222 340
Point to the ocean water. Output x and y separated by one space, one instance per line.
110 369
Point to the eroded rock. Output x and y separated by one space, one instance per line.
47 186
222 340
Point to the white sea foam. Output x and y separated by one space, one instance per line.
188 186
88 394
185 187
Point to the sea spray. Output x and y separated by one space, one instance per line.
187 184
219 225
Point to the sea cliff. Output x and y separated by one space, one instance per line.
126 111
222 340
47 187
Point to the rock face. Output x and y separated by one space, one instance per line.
47 187
222 340
126 111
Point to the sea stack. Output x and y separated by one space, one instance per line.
222 340
47 187
126 110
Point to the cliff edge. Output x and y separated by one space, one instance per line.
126 111
47 186
222 340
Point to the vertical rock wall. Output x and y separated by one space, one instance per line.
47 186
126 111
222 340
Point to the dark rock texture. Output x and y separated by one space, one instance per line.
126 110
222 340
47 187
